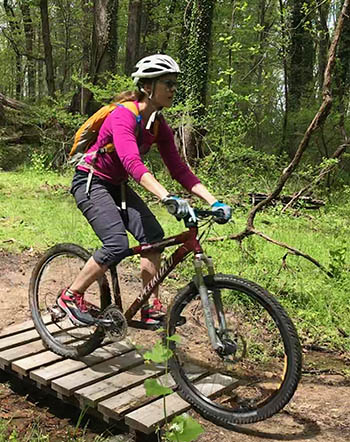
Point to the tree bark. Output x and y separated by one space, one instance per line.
302 55
104 39
10 102
29 41
323 41
133 35
195 65
45 27
83 95
15 31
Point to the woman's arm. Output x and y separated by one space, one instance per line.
200 190
152 185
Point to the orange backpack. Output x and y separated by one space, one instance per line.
87 134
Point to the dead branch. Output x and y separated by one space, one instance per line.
294 251
12 103
338 153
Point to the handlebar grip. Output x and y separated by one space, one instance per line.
172 207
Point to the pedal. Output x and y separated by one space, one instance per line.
57 313
143 326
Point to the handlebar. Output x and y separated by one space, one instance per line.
200 214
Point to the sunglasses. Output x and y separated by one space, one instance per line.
170 84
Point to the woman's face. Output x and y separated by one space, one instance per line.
164 90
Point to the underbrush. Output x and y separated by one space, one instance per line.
38 211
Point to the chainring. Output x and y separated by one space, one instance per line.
114 323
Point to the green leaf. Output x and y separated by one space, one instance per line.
175 338
153 388
159 353
184 429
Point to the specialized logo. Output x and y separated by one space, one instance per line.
157 277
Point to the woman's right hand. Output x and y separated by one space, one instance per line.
178 207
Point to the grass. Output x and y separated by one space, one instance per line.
37 211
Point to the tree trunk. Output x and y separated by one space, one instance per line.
83 95
29 41
133 35
45 27
195 66
15 31
342 71
104 39
302 55
171 14
323 42
65 67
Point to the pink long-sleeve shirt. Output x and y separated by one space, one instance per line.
119 128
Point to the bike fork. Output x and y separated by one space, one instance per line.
199 259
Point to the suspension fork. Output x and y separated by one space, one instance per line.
215 340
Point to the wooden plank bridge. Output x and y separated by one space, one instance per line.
109 381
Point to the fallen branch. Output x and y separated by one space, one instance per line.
12 103
341 149
294 251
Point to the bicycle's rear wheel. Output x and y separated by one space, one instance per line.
255 382
56 270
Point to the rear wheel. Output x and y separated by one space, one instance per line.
56 270
258 369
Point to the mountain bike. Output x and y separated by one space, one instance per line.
228 329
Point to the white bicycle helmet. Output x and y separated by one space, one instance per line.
154 66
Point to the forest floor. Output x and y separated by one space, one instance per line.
319 411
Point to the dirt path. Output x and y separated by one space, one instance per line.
320 410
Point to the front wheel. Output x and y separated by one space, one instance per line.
257 369
56 270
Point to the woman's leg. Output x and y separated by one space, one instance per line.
150 263
89 274
102 212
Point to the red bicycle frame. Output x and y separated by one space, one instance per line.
190 243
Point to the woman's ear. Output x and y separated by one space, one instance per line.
147 86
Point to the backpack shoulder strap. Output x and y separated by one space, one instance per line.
131 105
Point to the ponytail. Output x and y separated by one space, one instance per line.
129 96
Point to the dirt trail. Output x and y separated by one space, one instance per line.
319 411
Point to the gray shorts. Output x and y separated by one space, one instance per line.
102 210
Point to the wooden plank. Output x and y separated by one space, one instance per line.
31 335
22 366
147 418
66 385
21 327
11 354
99 391
45 375
17 328
35 360
30 348
117 406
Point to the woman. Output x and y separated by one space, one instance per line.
101 199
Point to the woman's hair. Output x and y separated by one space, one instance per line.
129 96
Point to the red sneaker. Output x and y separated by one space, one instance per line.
153 313
74 305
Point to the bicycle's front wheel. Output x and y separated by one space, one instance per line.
56 270
256 373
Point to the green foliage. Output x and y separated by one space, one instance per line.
114 84
159 353
183 429
154 388
338 261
